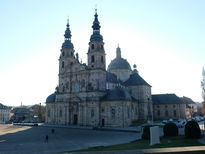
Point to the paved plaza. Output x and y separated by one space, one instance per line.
24 139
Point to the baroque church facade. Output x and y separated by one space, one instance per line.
91 95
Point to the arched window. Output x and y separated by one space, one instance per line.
136 111
83 83
63 53
102 110
107 85
166 113
92 113
102 59
128 112
101 46
76 87
60 113
175 113
122 76
113 112
63 64
63 89
67 85
158 112
49 112
92 46
92 59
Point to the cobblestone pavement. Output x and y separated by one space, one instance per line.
24 139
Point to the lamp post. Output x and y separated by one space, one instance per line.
39 113
149 115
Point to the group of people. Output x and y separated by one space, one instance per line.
46 138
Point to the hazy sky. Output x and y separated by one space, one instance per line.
164 38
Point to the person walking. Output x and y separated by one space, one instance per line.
52 131
46 139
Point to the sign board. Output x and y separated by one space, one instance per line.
154 135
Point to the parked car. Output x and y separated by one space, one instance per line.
180 124
170 120
164 121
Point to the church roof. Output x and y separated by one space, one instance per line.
67 44
187 100
117 93
119 62
166 99
3 106
135 79
51 98
110 77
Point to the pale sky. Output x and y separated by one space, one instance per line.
164 38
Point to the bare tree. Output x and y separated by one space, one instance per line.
203 84
203 90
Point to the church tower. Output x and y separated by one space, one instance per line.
67 50
67 58
96 52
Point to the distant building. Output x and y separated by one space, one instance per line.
168 106
199 108
4 113
191 106
90 94
20 114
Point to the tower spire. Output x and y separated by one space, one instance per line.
96 29
68 32
67 43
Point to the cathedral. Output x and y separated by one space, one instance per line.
91 95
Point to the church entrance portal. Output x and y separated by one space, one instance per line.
75 119
103 122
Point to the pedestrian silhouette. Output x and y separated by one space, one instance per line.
46 139
52 131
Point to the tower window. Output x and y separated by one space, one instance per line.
63 64
92 59
101 46
102 59
60 113
63 53
92 113
92 46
